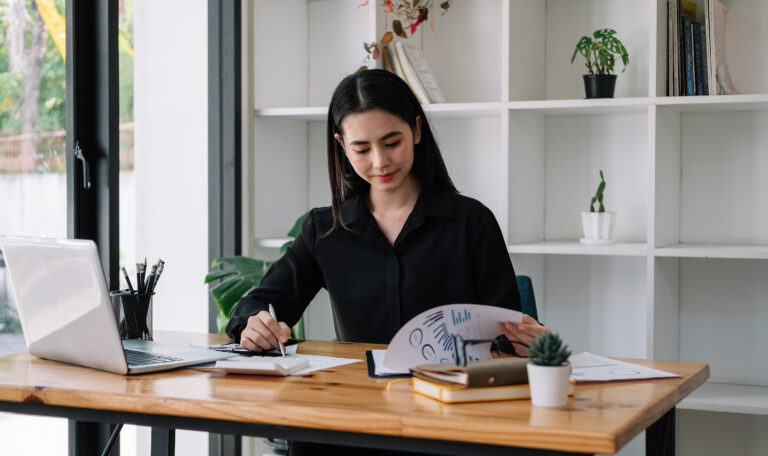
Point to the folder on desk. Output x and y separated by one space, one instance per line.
371 357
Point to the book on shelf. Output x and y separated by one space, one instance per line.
690 85
710 46
409 74
386 59
423 73
719 77
698 71
704 61
395 61
671 47
453 394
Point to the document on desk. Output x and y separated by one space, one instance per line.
426 338
588 367
315 362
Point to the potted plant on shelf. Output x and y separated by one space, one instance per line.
598 224
549 371
599 50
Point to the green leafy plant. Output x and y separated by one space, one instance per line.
548 350
599 50
598 198
408 16
242 275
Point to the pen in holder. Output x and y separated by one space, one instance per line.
133 312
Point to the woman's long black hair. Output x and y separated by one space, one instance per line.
378 89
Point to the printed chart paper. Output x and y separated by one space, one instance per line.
427 337
588 367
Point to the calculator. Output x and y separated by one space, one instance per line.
263 365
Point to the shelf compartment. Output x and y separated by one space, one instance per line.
577 248
727 397
733 251
553 173
710 183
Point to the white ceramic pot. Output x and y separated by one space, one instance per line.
549 384
598 227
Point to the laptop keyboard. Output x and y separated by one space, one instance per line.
139 358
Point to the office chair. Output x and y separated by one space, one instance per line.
527 306
527 299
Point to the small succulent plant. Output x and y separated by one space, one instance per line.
548 350
598 198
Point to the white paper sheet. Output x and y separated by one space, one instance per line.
315 362
588 367
426 338
380 369
322 362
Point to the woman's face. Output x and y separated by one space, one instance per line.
380 147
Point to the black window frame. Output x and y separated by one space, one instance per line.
92 78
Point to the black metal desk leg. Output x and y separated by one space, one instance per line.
163 441
660 436
87 438
224 445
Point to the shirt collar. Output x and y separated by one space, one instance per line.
431 203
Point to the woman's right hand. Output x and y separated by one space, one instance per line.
263 332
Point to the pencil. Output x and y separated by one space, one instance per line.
128 281
151 280
159 273
140 277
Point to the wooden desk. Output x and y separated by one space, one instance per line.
343 405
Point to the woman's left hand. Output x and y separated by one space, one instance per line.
525 332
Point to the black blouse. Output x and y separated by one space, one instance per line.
449 251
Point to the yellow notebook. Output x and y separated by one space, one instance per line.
453 394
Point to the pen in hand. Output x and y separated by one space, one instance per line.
272 313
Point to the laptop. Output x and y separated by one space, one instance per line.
66 314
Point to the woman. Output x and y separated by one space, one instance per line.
398 239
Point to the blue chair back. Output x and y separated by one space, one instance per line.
527 299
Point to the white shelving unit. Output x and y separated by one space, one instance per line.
686 175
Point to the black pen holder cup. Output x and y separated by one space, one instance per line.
133 313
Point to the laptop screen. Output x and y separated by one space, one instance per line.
63 301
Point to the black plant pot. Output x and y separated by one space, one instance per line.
599 85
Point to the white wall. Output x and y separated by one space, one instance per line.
171 147
171 164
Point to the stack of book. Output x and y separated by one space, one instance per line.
486 380
409 63
696 63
